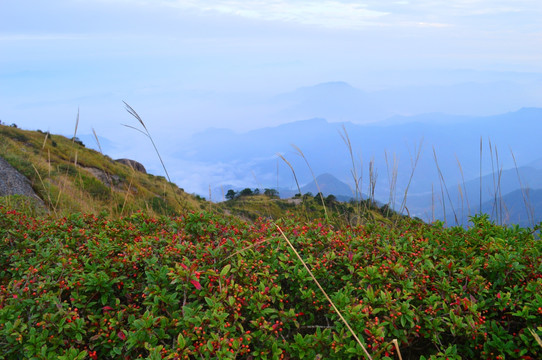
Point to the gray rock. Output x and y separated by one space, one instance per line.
107 179
133 164
13 182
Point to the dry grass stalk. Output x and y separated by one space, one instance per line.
413 165
497 208
129 189
464 185
293 171
277 175
497 195
315 181
64 181
358 180
396 344
536 337
45 141
373 175
392 178
210 199
494 180
76 126
443 183
106 172
502 206
481 156
324 292
461 200
432 203
442 202
524 193
74 137
45 188
245 249
132 112
97 141
127 192
296 182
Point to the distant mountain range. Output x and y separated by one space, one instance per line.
467 197
521 206
454 141
339 101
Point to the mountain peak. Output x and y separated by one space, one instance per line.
328 185
333 86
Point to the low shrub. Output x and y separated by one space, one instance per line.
203 286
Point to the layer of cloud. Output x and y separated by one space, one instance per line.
360 14
160 15
327 13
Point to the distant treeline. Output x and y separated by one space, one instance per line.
232 194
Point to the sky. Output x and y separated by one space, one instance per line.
187 65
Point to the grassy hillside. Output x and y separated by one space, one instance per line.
72 178
308 207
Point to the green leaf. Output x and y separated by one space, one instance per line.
225 270
275 349
181 343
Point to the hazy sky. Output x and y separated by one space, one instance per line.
56 55
181 63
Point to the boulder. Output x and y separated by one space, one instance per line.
133 164
12 182
107 179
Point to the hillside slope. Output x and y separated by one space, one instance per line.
68 177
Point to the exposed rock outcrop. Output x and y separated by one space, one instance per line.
109 180
13 182
133 164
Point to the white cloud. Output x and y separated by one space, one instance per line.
432 25
358 14
327 13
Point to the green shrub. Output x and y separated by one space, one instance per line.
160 206
23 204
14 133
67 169
94 187
203 286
